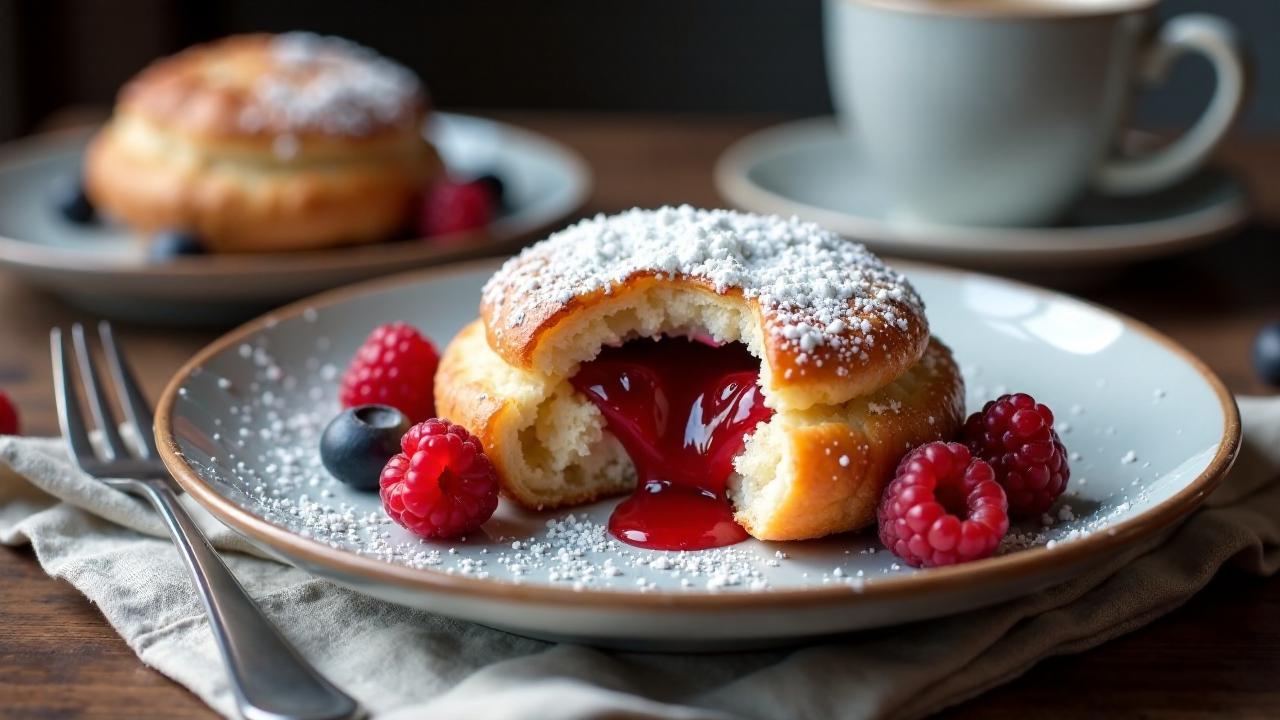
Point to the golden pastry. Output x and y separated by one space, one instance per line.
848 376
261 143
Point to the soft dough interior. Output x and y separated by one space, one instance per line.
547 441
567 449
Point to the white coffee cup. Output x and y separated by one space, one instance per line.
1003 112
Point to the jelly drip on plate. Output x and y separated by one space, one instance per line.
682 409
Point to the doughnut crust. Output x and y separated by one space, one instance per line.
847 362
828 319
266 143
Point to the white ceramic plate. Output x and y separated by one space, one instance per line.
809 168
1152 431
105 268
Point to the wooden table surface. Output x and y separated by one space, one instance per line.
1219 655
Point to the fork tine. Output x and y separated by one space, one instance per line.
70 416
98 402
135 405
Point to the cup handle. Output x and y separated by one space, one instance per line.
1215 39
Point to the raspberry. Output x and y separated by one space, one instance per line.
943 507
8 416
442 485
395 366
1015 434
450 207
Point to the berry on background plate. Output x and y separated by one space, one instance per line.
450 207
442 485
395 366
358 443
1266 353
169 244
9 424
497 188
1015 434
72 202
943 507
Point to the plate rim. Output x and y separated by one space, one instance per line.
1094 244
957 577
27 255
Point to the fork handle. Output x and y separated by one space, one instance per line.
271 681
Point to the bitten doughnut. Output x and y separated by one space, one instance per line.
811 372
266 143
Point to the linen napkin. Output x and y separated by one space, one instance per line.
402 663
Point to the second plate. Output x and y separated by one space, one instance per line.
105 268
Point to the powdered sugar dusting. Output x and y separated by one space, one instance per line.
332 85
817 288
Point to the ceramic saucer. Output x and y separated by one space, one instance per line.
810 169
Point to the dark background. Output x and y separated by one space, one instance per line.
720 56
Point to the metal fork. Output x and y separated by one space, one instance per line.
271 681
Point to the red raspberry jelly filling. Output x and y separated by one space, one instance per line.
682 409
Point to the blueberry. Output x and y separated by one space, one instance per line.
496 187
1266 353
169 244
360 441
73 204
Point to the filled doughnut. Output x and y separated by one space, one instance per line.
739 374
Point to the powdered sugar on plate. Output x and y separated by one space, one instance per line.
262 453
